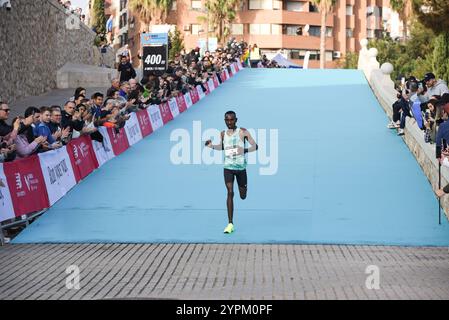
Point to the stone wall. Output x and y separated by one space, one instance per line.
35 42
383 87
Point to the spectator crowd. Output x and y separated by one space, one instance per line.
427 102
45 128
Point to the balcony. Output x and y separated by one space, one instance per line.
290 42
282 17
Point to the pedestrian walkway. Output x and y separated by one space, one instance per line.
223 272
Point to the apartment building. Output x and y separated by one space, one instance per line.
292 26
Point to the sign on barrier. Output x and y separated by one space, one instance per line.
6 208
227 73
181 103
82 157
132 129
232 70
200 92
58 173
173 105
103 151
194 96
165 112
216 82
188 99
154 112
144 123
119 141
211 85
26 185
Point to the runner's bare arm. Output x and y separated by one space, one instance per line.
216 146
247 135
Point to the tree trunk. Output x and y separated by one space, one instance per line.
404 30
323 39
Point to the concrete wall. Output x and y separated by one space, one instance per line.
383 87
35 43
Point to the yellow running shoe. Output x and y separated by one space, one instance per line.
229 228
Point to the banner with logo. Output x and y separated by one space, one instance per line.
132 129
26 185
181 103
165 112
227 73
206 85
58 173
216 82
194 96
103 151
233 70
119 141
155 117
155 53
223 76
239 63
6 208
188 99
173 105
211 85
82 157
200 91
144 122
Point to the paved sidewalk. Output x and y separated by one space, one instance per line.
200 271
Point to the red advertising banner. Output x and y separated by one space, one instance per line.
194 95
82 156
182 105
206 85
144 122
165 112
119 141
26 185
223 76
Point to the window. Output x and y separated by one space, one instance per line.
329 31
314 31
262 29
196 4
349 11
174 5
295 6
123 20
369 33
123 4
312 7
260 4
123 39
328 56
277 5
349 33
196 28
276 29
237 28
293 30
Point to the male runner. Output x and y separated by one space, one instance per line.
233 144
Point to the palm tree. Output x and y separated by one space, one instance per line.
404 9
324 7
151 10
222 13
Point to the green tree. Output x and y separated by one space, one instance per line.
349 61
324 7
177 43
434 14
99 19
151 11
222 13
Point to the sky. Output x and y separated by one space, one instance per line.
80 3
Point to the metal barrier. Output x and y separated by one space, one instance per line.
25 219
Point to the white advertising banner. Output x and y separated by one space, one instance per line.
188 100
211 85
6 207
132 128
173 107
58 173
201 94
103 151
155 117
